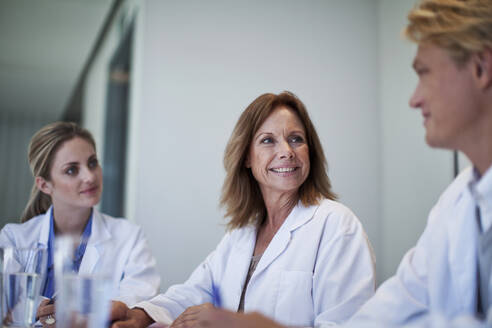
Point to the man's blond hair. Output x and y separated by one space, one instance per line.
462 27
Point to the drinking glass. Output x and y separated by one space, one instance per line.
23 273
83 300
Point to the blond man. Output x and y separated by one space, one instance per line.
447 273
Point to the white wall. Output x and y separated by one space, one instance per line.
414 175
203 63
197 65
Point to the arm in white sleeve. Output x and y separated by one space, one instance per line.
403 297
140 280
164 308
344 278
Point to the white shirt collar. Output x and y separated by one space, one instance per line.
481 190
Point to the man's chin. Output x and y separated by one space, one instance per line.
436 142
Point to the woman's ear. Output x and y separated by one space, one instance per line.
43 185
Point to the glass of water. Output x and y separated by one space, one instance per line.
83 300
23 273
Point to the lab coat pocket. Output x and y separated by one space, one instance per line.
295 301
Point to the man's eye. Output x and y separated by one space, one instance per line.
422 71
267 140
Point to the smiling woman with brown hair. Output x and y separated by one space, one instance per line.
291 252
241 193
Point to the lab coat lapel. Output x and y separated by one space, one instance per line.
297 217
94 251
243 251
44 233
463 250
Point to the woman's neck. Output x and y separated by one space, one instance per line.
70 221
278 207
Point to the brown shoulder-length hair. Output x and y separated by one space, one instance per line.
241 195
41 153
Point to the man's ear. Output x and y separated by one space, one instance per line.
43 185
482 65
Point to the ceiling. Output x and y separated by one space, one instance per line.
44 45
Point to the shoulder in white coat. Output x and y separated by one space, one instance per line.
318 269
116 246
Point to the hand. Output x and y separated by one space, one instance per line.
218 318
188 318
46 310
123 317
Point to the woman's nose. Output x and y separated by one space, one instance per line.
88 175
286 151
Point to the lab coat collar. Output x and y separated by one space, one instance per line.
297 217
483 195
99 235
44 233
462 227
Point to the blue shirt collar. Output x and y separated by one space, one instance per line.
49 287
79 253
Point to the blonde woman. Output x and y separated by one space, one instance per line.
292 252
67 186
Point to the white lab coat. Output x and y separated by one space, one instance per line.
116 246
318 268
439 275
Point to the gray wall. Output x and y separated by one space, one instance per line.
16 179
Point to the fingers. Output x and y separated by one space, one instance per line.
124 324
41 305
189 316
134 318
217 318
208 316
118 311
44 311
48 321
185 324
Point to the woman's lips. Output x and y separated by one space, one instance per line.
284 171
90 191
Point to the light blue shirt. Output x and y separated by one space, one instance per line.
49 287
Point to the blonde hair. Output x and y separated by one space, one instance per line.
41 153
241 194
462 27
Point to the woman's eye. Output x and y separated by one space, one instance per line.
93 163
266 140
296 139
72 170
